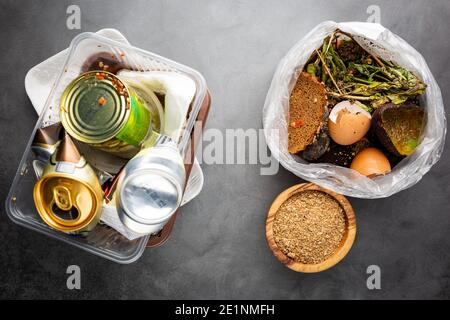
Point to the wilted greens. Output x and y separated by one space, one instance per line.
350 72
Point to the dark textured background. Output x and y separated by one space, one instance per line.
218 249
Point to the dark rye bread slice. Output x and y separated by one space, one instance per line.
306 112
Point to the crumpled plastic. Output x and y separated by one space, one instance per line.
111 218
379 41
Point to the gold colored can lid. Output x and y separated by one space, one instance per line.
95 107
66 204
68 196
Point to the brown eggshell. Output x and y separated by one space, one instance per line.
371 162
348 123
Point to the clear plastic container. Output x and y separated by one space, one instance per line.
103 240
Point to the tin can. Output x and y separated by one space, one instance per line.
68 196
150 187
101 110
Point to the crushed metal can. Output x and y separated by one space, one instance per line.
68 196
150 187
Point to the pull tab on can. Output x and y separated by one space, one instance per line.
61 196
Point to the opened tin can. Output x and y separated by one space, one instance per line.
68 196
99 109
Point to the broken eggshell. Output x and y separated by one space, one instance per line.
371 162
348 122
399 127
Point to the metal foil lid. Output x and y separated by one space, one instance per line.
94 107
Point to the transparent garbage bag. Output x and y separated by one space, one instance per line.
379 41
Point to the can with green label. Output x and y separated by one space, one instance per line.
101 110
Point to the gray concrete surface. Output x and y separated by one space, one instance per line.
218 249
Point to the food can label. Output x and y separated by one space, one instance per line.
138 124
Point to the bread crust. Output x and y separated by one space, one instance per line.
307 105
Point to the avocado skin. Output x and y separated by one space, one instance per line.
380 132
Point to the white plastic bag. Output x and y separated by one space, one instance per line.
378 41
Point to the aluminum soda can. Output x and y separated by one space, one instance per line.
101 110
150 187
68 196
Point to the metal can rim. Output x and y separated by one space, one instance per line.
49 220
136 218
64 112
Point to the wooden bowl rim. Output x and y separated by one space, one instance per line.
344 246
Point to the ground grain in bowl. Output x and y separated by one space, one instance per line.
309 226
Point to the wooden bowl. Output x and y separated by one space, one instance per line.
340 252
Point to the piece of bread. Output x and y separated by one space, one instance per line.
307 106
